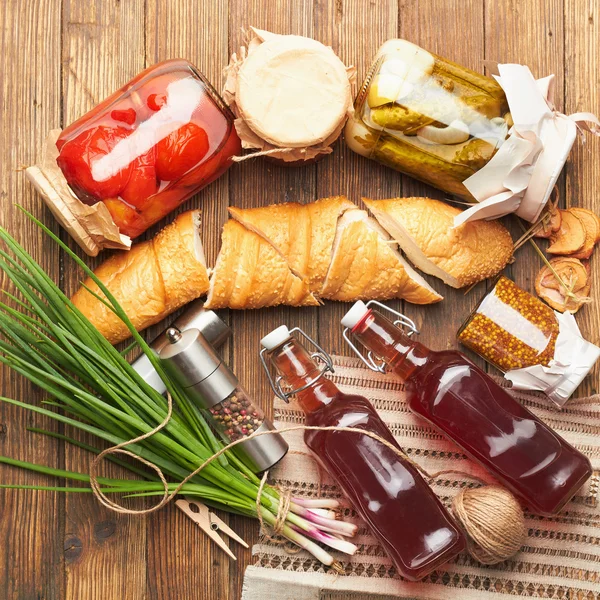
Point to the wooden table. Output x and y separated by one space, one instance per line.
58 59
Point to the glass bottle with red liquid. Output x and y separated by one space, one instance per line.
150 146
388 492
470 408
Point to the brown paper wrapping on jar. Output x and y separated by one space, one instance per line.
291 96
92 227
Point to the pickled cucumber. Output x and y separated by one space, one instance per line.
425 166
475 105
475 154
386 89
446 68
399 118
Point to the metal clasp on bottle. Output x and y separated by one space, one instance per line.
320 356
401 321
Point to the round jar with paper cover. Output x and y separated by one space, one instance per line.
428 117
291 96
536 347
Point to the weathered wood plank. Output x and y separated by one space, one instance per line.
103 47
582 93
529 33
255 183
355 31
182 561
31 523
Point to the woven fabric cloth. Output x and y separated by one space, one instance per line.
560 558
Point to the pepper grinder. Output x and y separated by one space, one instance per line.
191 360
210 325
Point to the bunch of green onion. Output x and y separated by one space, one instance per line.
92 387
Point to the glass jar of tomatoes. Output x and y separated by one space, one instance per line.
150 146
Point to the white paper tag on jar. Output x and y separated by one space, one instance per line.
521 175
573 359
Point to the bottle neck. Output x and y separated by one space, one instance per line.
297 368
389 343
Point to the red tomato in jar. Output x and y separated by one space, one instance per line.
162 204
180 151
150 97
156 101
124 115
142 184
215 165
79 154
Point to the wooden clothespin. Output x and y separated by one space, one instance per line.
209 523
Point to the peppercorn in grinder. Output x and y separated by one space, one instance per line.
190 359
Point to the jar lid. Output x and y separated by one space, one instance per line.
355 315
523 172
275 338
191 360
288 92
188 357
293 91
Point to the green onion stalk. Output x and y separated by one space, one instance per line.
49 341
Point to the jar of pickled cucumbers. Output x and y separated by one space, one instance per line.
428 117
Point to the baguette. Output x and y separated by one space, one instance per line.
302 233
424 229
251 273
297 254
366 266
150 281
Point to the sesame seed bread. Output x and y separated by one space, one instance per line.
302 233
424 229
366 265
150 281
251 273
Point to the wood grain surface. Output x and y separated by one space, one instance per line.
58 59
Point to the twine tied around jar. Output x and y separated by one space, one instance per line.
490 516
249 155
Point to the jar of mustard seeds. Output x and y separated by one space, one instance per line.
510 328
536 347
428 117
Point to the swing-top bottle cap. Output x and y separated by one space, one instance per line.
275 338
355 315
